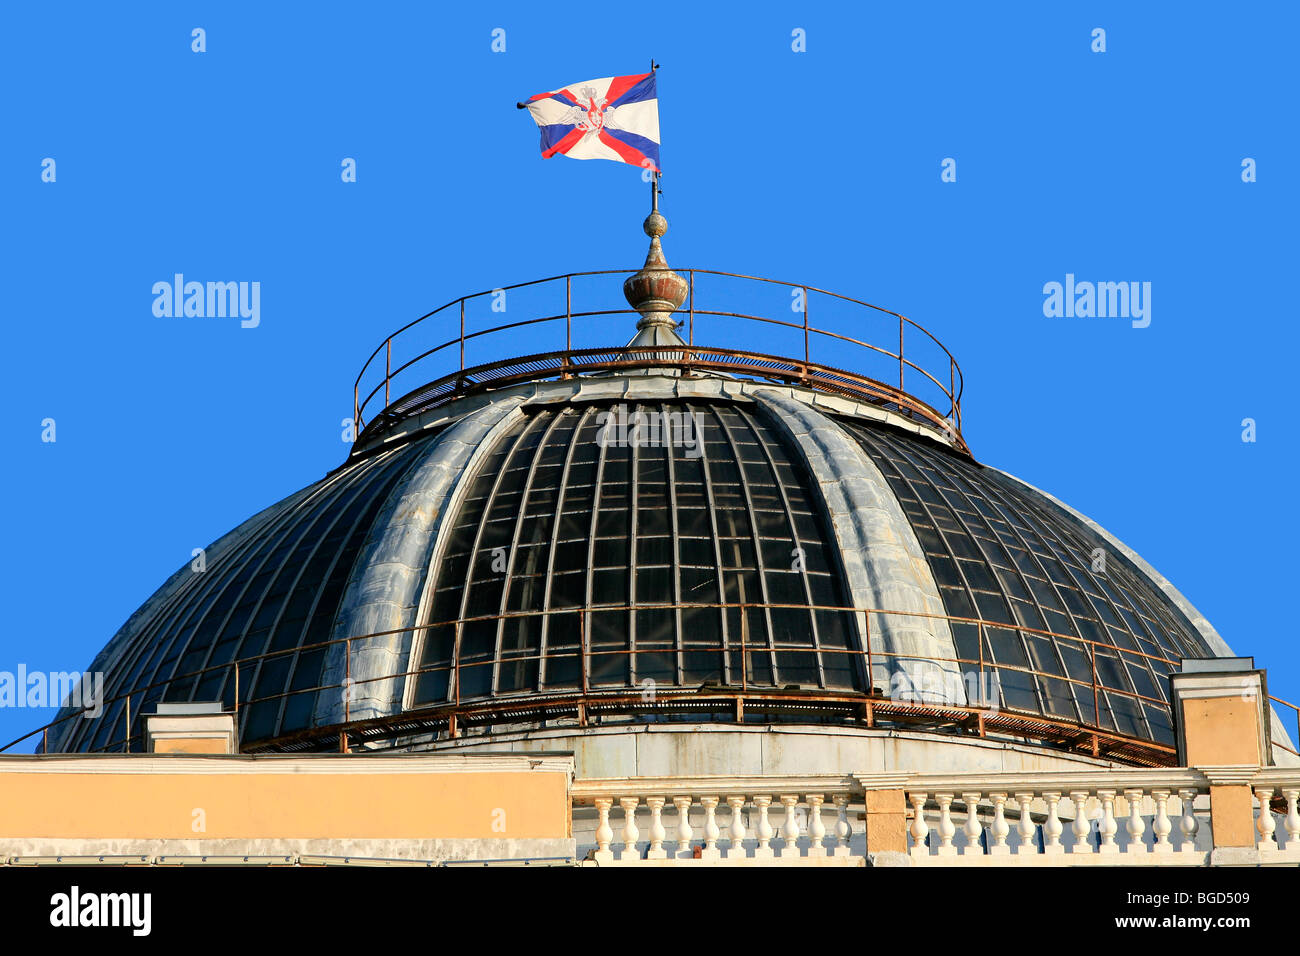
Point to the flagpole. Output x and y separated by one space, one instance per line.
654 180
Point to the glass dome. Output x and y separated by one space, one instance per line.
695 551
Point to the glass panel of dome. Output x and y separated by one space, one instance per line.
965 638
736 552
610 586
1043 653
700 585
1018 690
307 668
1127 712
562 636
298 710
992 607
699 667
946 575
1158 720
1057 697
1029 615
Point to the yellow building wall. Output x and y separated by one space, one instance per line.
162 805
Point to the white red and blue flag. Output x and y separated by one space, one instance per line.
613 118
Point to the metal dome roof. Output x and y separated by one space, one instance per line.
520 552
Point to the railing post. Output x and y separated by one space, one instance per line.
455 663
568 326
871 675
1096 696
744 648
900 354
806 353
583 647
952 388
462 335
691 328
388 369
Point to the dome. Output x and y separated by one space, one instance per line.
733 537
660 533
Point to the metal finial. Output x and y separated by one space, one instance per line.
656 291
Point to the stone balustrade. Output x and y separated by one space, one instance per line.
773 820
1099 817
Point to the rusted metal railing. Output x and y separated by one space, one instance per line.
1081 734
441 381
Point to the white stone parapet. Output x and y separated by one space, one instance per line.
1095 817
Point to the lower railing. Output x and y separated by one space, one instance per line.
1108 817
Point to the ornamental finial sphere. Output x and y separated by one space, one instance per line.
655 224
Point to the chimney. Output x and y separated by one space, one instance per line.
202 728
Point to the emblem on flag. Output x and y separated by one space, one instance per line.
614 118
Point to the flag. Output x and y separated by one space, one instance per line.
614 118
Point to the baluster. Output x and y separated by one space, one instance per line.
1025 827
657 834
1265 823
711 832
736 831
1053 828
920 829
946 828
843 830
684 831
974 829
790 828
1162 826
1000 828
1292 819
1080 827
1136 825
1108 826
630 833
816 828
764 830
603 832
1188 825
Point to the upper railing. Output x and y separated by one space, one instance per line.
856 349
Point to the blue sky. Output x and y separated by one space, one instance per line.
820 167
